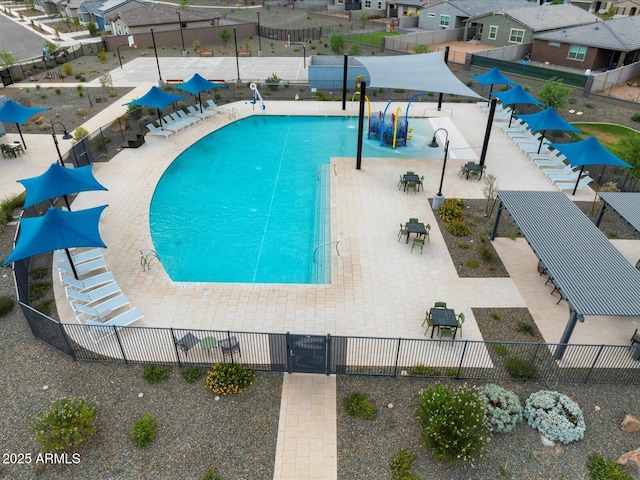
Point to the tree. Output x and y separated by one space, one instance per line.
354 50
421 49
554 93
6 59
52 49
363 17
337 43
93 29
225 35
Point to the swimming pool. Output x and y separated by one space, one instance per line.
249 203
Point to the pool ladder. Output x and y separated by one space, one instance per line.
324 245
325 166
146 257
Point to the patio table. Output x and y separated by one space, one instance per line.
417 228
444 317
408 177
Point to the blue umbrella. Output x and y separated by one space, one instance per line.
493 77
157 99
197 84
547 119
514 96
58 181
588 152
55 230
18 114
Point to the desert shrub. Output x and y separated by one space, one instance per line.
68 423
67 69
424 370
45 307
212 474
102 55
555 416
191 374
226 378
526 327
502 408
8 205
421 49
486 252
450 213
6 304
457 228
454 202
500 349
606 469
464 246
636 117
495 315
38 290
519 368
361 406
144 430
79 133
471 263
453 423
401 464
156 373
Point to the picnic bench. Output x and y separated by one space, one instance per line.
52 75
244 53
174 81
206 52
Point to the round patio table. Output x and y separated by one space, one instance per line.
207 343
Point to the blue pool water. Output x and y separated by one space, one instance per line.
249 203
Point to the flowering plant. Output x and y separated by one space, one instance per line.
555 416
502 408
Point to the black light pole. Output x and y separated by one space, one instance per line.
259 39
438 198
235 41
65 136
184 52
155 51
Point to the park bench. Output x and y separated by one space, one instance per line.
244 53
174 81
206 52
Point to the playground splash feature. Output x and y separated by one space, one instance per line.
394 132
257 97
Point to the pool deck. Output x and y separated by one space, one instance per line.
379 287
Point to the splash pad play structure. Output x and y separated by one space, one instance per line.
391 129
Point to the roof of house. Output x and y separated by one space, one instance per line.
410 3
475 8
111 5
90 6
156 14
620 34
540 18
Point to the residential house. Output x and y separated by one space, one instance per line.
162 18
114 6
600 45
406 11
516 26
455 13
594 6
87 11
628 8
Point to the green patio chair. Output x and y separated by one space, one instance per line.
413 220
403 231
401 182
418 242
460 322
446 332
440 305
427 227
412 186
429 322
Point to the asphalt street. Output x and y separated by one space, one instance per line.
20 40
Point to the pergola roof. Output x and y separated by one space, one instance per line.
592 275
625 204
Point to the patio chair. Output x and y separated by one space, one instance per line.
401 182
413 220
440 305
461 319
183 115
417 242
412 186
100 311
98 331
195 113
186 120
88 284
229 346
102 306
187 342
153 130
566 170
427 227
446 332
82 257
170 124
429 321
635 338
403 231
570 177
91 296
83 269
583 183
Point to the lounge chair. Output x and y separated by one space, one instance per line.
100 330
182 121
565 178
230 112
92 296
83 269
583 183
153 130
82 257
99 310
170 124
183 115
565 170
89 283
194 112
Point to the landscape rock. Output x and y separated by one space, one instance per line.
631 459
82 112
630 424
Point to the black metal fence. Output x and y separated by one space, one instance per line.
293 35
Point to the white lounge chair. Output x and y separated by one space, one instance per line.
194 112
230 112
77 258
82 269
153 130
89 283
92 296
549 163
169 123
181 121
570 177
566 170
100 330
187 118
582 183
99 311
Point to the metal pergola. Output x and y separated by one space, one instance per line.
590 273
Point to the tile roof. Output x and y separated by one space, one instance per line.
551 17
156 14
620 34
475 8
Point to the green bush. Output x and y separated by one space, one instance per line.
606 469
45 307
212 474
38 273
636 117
226 378
6 304
457 228
38 290
361 406
449 213
67 69
526 327
453 423
502 408
191 374
68 423
464 246
401 464
454 202
156 373
471 263
8 205
486 252
519 368
424 370
144 430
500 349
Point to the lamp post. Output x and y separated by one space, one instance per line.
235 41
304 52
155 51
184 52
65 136
259 39
438 198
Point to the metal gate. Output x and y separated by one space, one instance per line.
307 353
